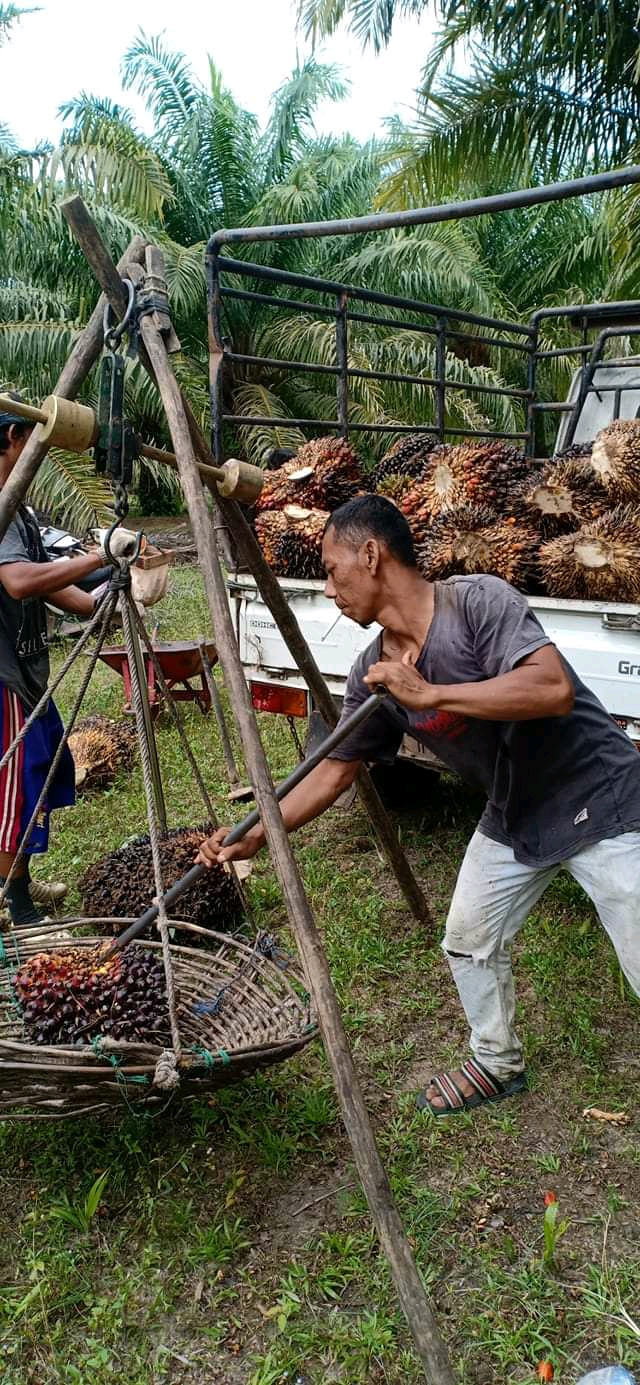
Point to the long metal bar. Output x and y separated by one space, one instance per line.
564 351
274 301
424 216
253 420
455 334
441 370
342 364
356 373
589 311
388 300
541 406
344 729
320 310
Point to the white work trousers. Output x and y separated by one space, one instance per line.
494 894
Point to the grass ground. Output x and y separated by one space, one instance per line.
228 1241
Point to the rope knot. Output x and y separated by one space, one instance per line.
166 1075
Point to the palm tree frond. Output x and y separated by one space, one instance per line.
293 106
164 78
257 401
67 488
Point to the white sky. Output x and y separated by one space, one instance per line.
76 45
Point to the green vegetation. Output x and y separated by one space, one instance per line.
228 1240
545 93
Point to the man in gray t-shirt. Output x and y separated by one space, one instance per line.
471 674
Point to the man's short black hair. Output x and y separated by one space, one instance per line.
9 420
21 430
374 517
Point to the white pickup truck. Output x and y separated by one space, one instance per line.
601 640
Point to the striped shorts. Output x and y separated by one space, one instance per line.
22 778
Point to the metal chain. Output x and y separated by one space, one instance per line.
166 1074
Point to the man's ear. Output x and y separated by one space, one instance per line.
371 550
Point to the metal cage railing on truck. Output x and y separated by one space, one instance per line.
446 328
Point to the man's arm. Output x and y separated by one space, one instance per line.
24 580
538 687
76 601
308 800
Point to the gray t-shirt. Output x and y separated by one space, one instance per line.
24 655
553 785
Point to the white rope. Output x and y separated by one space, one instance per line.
166 1073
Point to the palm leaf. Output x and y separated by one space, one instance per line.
371 20
164 78
258 440
9 15
67 488
293 106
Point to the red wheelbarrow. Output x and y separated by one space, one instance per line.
179 660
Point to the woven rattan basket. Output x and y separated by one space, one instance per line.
241 1007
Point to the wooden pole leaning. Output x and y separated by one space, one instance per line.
429 1344
428 1341
88 237
85 353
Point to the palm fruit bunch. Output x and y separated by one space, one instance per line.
561 497
472 539
270 527
121 885
298 549
324 473
578 452
79 994
490 472
440 488
100 747
475 473
401 465
291 540
615 458
599 562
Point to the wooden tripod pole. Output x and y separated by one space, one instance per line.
429 1345
83 357
91 244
